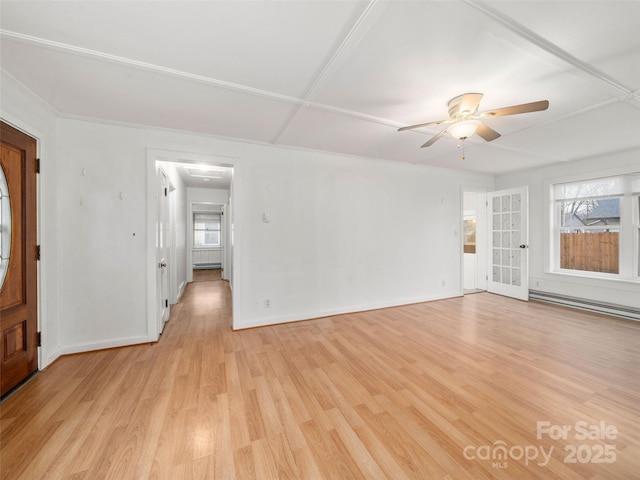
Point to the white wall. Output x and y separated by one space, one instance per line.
541 278
346 233
19 107
102 227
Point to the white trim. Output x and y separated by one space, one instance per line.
352 309
549 47
152 326
103 344
153 155
181 290
86 52
482 250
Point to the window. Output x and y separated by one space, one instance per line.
597 225
206 229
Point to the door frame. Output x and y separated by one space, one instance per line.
481 236
49 349
153 155
223 239
29 207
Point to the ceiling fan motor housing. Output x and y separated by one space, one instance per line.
458 111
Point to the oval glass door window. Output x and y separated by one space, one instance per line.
5 227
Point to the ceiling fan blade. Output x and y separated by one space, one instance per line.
516 109
487 133
411 127
469 102
435 138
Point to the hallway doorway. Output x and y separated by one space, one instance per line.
196 179
474 229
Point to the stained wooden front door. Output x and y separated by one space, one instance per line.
18 294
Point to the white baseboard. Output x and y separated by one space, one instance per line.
310 315
103 344
181 290
49 358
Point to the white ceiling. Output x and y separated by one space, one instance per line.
342 76
205 176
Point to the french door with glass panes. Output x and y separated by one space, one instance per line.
509 242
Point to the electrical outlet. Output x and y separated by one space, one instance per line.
443 283
267 303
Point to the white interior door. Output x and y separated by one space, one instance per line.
162 250
508 242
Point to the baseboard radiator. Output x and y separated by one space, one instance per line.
206 266
585 304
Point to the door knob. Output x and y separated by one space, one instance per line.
162 264
523 246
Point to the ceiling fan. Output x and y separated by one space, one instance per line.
464 119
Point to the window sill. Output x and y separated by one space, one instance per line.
595 276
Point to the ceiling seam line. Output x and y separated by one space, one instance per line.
575 113
342 47
194 77
150 67
545 45
323 76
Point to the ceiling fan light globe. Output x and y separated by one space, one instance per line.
463 129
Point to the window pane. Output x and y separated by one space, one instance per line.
590 251
198 238
496 273
595 212
495 205
212 238
516 202
206 229
202 238
600 187
515 277
506 203
206 221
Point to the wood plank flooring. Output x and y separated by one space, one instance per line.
451 389
206 275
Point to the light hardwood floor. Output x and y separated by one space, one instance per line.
206 275
425 391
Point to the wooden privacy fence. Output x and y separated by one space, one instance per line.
592 252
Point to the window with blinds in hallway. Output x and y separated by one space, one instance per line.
206 229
